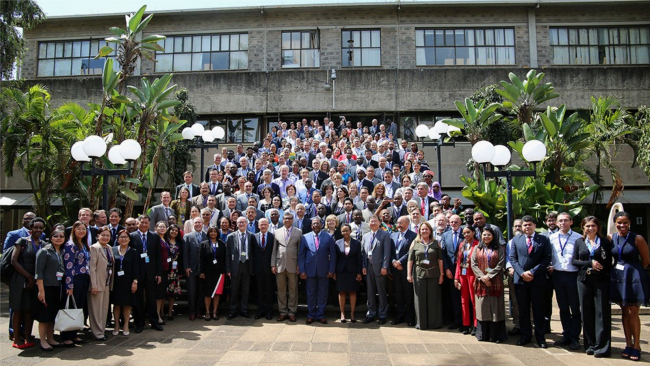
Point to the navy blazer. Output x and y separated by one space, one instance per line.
402 254
317 263
306 224
154 268
262 185
262 257
352 262
536 262
449 250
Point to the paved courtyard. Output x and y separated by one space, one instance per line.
264 342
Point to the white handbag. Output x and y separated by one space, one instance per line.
69 319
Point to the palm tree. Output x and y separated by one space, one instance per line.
523 97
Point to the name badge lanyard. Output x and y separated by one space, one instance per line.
122 257
426 252
562 247
620 247
36 247
214 245
594 247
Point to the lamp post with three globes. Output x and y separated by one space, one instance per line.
436 133
202 138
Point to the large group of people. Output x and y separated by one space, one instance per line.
331 211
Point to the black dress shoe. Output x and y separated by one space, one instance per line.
381 321
601 355
48 349
542 345
574 345
102 339
564 341
138 329
231 316
70 345
162 323
368 320
452 327
411 324
396 322
257 316
157 327
590 351
514 331
523 342
245 315
269 317
323 321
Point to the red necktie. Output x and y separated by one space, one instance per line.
263 242
530 245
423 211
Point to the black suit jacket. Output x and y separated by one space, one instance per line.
321 177
262 257
194 190
232 251
306 224
93 233
148 271
211 168
206 257
402 255
113 241
353 262
536 262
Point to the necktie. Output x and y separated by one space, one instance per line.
316 241
144 241
242 242
424 213
167 211
348 219
365 205
214 188
455 238
189 190
198 237
205 201
263 241
90 236
358 233
113 233
530 244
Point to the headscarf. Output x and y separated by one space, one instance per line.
436 195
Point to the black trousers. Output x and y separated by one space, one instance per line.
455 303
535 295
596 315
566 293
403 296
240 288
146 302
548 301
194 295
265 287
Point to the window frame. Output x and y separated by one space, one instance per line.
475 46
240 132
346 50
179 41
301 48
605 50
89 59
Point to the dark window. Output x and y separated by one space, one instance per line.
238 128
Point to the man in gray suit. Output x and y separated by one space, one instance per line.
242 199
239 267
191 264
376 251
284 264
390 184
162 211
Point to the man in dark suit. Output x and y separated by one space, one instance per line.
399 208
267 181
253 225
400 243
318 176
317 263
480 222
216 166
147 245
530 256
243 197
214 184
423 199
191 250
302 221
85 214
264 278
222 198
362 181
239 257
114 217
376 249
188 177
449 244
346 216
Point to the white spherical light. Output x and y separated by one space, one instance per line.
198 129
94 146
501 156
534 151
433 134
187 133
77 152
207 136
422 131
114 155
483 152
218 132
441 127
130 149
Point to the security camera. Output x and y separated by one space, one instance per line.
333 76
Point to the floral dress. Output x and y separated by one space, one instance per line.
173 277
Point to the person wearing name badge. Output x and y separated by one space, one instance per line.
264 277
464 279
239 267
630 286
212 266
173 244
401 242
488 262
101 269
349 265
161 288
77 280
191 252
125 282
425 270
592 255
284 264
376 246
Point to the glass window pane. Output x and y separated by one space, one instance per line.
582 55
459 37
46 68
197 62
62 67
429 37
623 34
42 50
345 36
310 58
205 43
182 62
563 36
500 38
583 36
164 63
234 42
345 60
440 37
161 43
486 56
305 40
620 55
480 37
356 38
178 44
220 60
445 56
644 35
603 36
216 44
489 37
510 37
573 36
250 129
94 48
561 55
376 39
449 37
225 42
640 55
295 40
365 39
76 66
238 60
243 42
469 37
286 40
196 44
419 38
59 50
593 55
634 35
234 130
613 36
50 50
553 37
187 44
356 57
290 58
420 58
371 57
465 56
505 56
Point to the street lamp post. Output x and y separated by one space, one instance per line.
202 138
483 152
93 147
435 134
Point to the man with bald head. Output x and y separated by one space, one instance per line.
401 242
449 243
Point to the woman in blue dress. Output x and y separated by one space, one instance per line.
630 287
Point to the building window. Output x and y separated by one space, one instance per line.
600 46
300 49
239 129
494 46
66 58
203 53
361 47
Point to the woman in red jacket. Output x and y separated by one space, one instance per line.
464 279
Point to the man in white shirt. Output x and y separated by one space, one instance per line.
284 181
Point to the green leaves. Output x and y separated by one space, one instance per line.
133 20
523 97
110 78
104 51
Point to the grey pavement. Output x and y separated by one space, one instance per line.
266 342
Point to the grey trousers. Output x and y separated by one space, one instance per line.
376 285
287 302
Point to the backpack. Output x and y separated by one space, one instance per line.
6 268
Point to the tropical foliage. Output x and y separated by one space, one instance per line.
15 14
